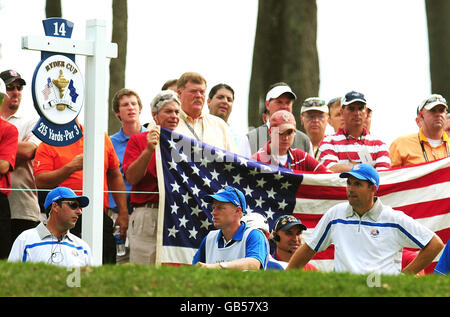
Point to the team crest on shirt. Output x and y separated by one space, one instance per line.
374 233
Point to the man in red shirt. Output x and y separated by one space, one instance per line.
139 167
8 149
278 150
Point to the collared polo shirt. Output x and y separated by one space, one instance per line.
341 148
249 243
208 129
119 141
371 243
39 245
406 150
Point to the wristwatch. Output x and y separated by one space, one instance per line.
223 265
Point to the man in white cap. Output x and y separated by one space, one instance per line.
431 143
234 245
314 117
53 243
8 150
279 97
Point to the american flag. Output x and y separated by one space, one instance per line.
188 170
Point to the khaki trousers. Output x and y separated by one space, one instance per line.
142 228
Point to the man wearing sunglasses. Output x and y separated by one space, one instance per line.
25 210
234 245
53 243
431 142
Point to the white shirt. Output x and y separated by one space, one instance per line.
24 203
39 245
371 243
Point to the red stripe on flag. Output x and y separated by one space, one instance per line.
436 177
320 192
427 208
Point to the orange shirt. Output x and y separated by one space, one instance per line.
406 150
49 158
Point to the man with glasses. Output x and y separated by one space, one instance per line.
314 116
53 243
353 144
8 150
431 142
25 210
234 245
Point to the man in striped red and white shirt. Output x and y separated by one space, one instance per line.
353 144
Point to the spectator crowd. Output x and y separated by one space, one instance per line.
30 169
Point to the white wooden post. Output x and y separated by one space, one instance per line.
97 50
96 123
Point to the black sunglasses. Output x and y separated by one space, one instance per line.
72 204
12 87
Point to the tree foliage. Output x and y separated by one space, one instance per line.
438 21
284 50
117 65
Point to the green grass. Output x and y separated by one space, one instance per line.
28 279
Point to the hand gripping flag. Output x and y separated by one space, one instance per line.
188 170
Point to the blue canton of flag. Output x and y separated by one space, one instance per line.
193 169
72 91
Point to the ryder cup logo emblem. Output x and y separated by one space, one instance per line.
59 89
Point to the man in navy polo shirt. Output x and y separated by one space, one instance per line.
368 236
234 245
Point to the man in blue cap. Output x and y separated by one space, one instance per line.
368 236
234 245
53 243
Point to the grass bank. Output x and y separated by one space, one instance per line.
41 280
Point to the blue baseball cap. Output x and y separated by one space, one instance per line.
365 172
64 193
231 195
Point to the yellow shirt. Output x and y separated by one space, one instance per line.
209 129
406 150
